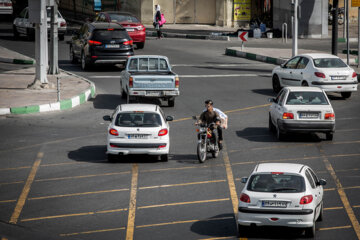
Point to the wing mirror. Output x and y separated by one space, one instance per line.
282 65
322 182
169 118
244 179
272 100
107 118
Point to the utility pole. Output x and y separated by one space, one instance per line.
347 32
53 68
295 6
334 36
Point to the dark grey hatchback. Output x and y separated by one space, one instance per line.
100 43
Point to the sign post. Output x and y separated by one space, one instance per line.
243 37
356 3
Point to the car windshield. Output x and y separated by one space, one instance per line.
329 63
138 119
48 13
123 18
109 34
276 182
306 98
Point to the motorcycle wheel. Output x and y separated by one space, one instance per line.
201 152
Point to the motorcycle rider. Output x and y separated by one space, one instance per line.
210 116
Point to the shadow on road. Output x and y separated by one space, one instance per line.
271 233
107 101
223 225
266 91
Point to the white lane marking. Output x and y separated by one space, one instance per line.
203 76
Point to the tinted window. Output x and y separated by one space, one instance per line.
276 183
313 175
133 65
138 119
163 65
329 63
22 14
302 63
292 63
108 35
48 13
123 18
306 98
309 178
278 96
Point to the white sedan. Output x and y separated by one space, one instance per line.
22 25
281 194
325 71
301 109
138 129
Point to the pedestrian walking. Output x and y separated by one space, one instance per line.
157 21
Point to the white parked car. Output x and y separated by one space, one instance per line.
281 194
138 129
301 109
325 71
6 7
22 26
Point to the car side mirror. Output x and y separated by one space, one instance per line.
244 179
107 118
282 65
272 100
322 182
169 118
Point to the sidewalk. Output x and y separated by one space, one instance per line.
17 98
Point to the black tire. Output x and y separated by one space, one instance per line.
73 59
346 94
304 84
61 37
164 158
201 152
140 45
128 98
276 84
310 231
15 32
321 215
84 64
171 102
271 125
242 231
123 94
112 158
279 135
329 136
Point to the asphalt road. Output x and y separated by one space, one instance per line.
59 158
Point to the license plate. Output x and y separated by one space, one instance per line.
130 29
153 93
112 46
338 77
276 204
309 115
137 136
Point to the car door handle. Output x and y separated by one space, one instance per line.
290 72
301 73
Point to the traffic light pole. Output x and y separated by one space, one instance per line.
295 5
53 67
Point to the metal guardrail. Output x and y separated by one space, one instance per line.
284 32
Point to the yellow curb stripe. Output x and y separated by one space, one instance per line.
333 208
334 228
17 168
90 232
25 192
184 203
132 205
181 184
8 183
78 194
7 201
82 176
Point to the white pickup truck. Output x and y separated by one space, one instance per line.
149 76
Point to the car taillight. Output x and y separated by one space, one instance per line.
287 115
320 74
8 4
245 198
329 116
140 28
354 74
92 42
131 82
113 132
130 42
306 199
63 24
163 132
177 81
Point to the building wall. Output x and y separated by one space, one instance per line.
353 11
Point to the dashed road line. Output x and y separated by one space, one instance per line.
93 231
334 228
181 184
25 192
81 176
132 205
183 203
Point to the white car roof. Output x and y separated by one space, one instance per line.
304 89
318 55
148 56
279 167
138 107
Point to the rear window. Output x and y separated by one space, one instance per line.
138 119
148 64
108 35
329 63
123 18
306 98
268 182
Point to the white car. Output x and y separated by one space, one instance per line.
22 26
281 194
325 71
303 110
138 129
6 7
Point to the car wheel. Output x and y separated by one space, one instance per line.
164 157
140 45
129 99
16 33
279 135
171 102
123 94
346 94
84 63
304 84
310 232
73 59
329 136
276 84
62 37
320 218
242 230
112 158
271 125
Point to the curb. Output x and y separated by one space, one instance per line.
342 40
56 106
17 61
189 36
252 56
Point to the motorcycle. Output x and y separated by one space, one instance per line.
341 15
207 141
